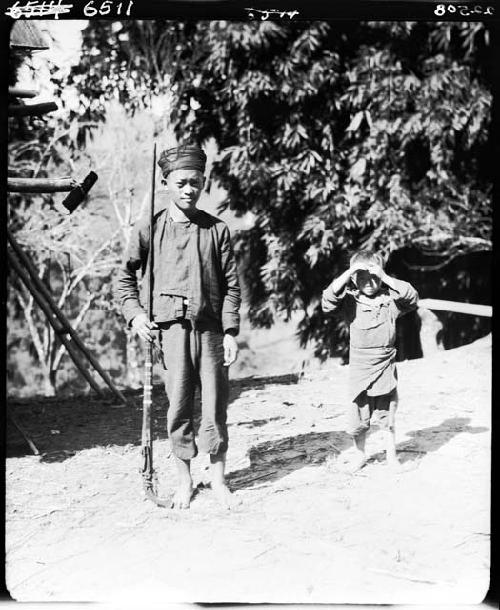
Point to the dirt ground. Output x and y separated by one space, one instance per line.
79 527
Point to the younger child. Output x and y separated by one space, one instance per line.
370 301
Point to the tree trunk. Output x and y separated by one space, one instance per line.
133 362
49 383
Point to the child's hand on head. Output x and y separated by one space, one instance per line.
358 266
376 270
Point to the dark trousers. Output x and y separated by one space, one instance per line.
192 358
360 412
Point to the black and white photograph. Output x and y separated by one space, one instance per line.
248 306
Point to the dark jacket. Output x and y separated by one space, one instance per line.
214 292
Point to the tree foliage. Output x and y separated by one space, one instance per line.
336 135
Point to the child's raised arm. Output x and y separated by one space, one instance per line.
407 297
331 297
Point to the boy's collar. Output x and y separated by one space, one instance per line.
180 216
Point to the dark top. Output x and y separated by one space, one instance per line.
171 303
195 259
177 237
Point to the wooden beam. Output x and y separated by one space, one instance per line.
468 308
66 326
21 93
40 185
26 35
31 109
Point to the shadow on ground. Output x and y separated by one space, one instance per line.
426 440
61 427
274 460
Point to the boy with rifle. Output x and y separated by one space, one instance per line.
195 313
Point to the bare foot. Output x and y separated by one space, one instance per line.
223 495
353 461
392 460
183 495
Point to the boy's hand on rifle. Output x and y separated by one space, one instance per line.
230 349
143 327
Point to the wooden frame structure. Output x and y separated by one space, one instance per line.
26 37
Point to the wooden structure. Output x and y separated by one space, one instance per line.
456 306
26 38
431 326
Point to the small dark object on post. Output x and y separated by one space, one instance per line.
78 194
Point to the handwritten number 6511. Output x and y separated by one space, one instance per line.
105 8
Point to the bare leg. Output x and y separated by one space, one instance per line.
357 426
390 451
218 480
360 456
182 497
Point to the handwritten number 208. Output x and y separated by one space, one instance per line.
105 8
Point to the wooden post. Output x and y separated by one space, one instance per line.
56 325
40 185
31 109
20 93
430 329
61 317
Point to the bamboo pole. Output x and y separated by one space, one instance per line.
54 322
61 317
40 185
31 109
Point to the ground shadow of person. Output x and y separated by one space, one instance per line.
274 460
426 440
61 428
253 383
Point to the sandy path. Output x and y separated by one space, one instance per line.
78 527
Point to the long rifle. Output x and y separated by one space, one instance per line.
148 473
